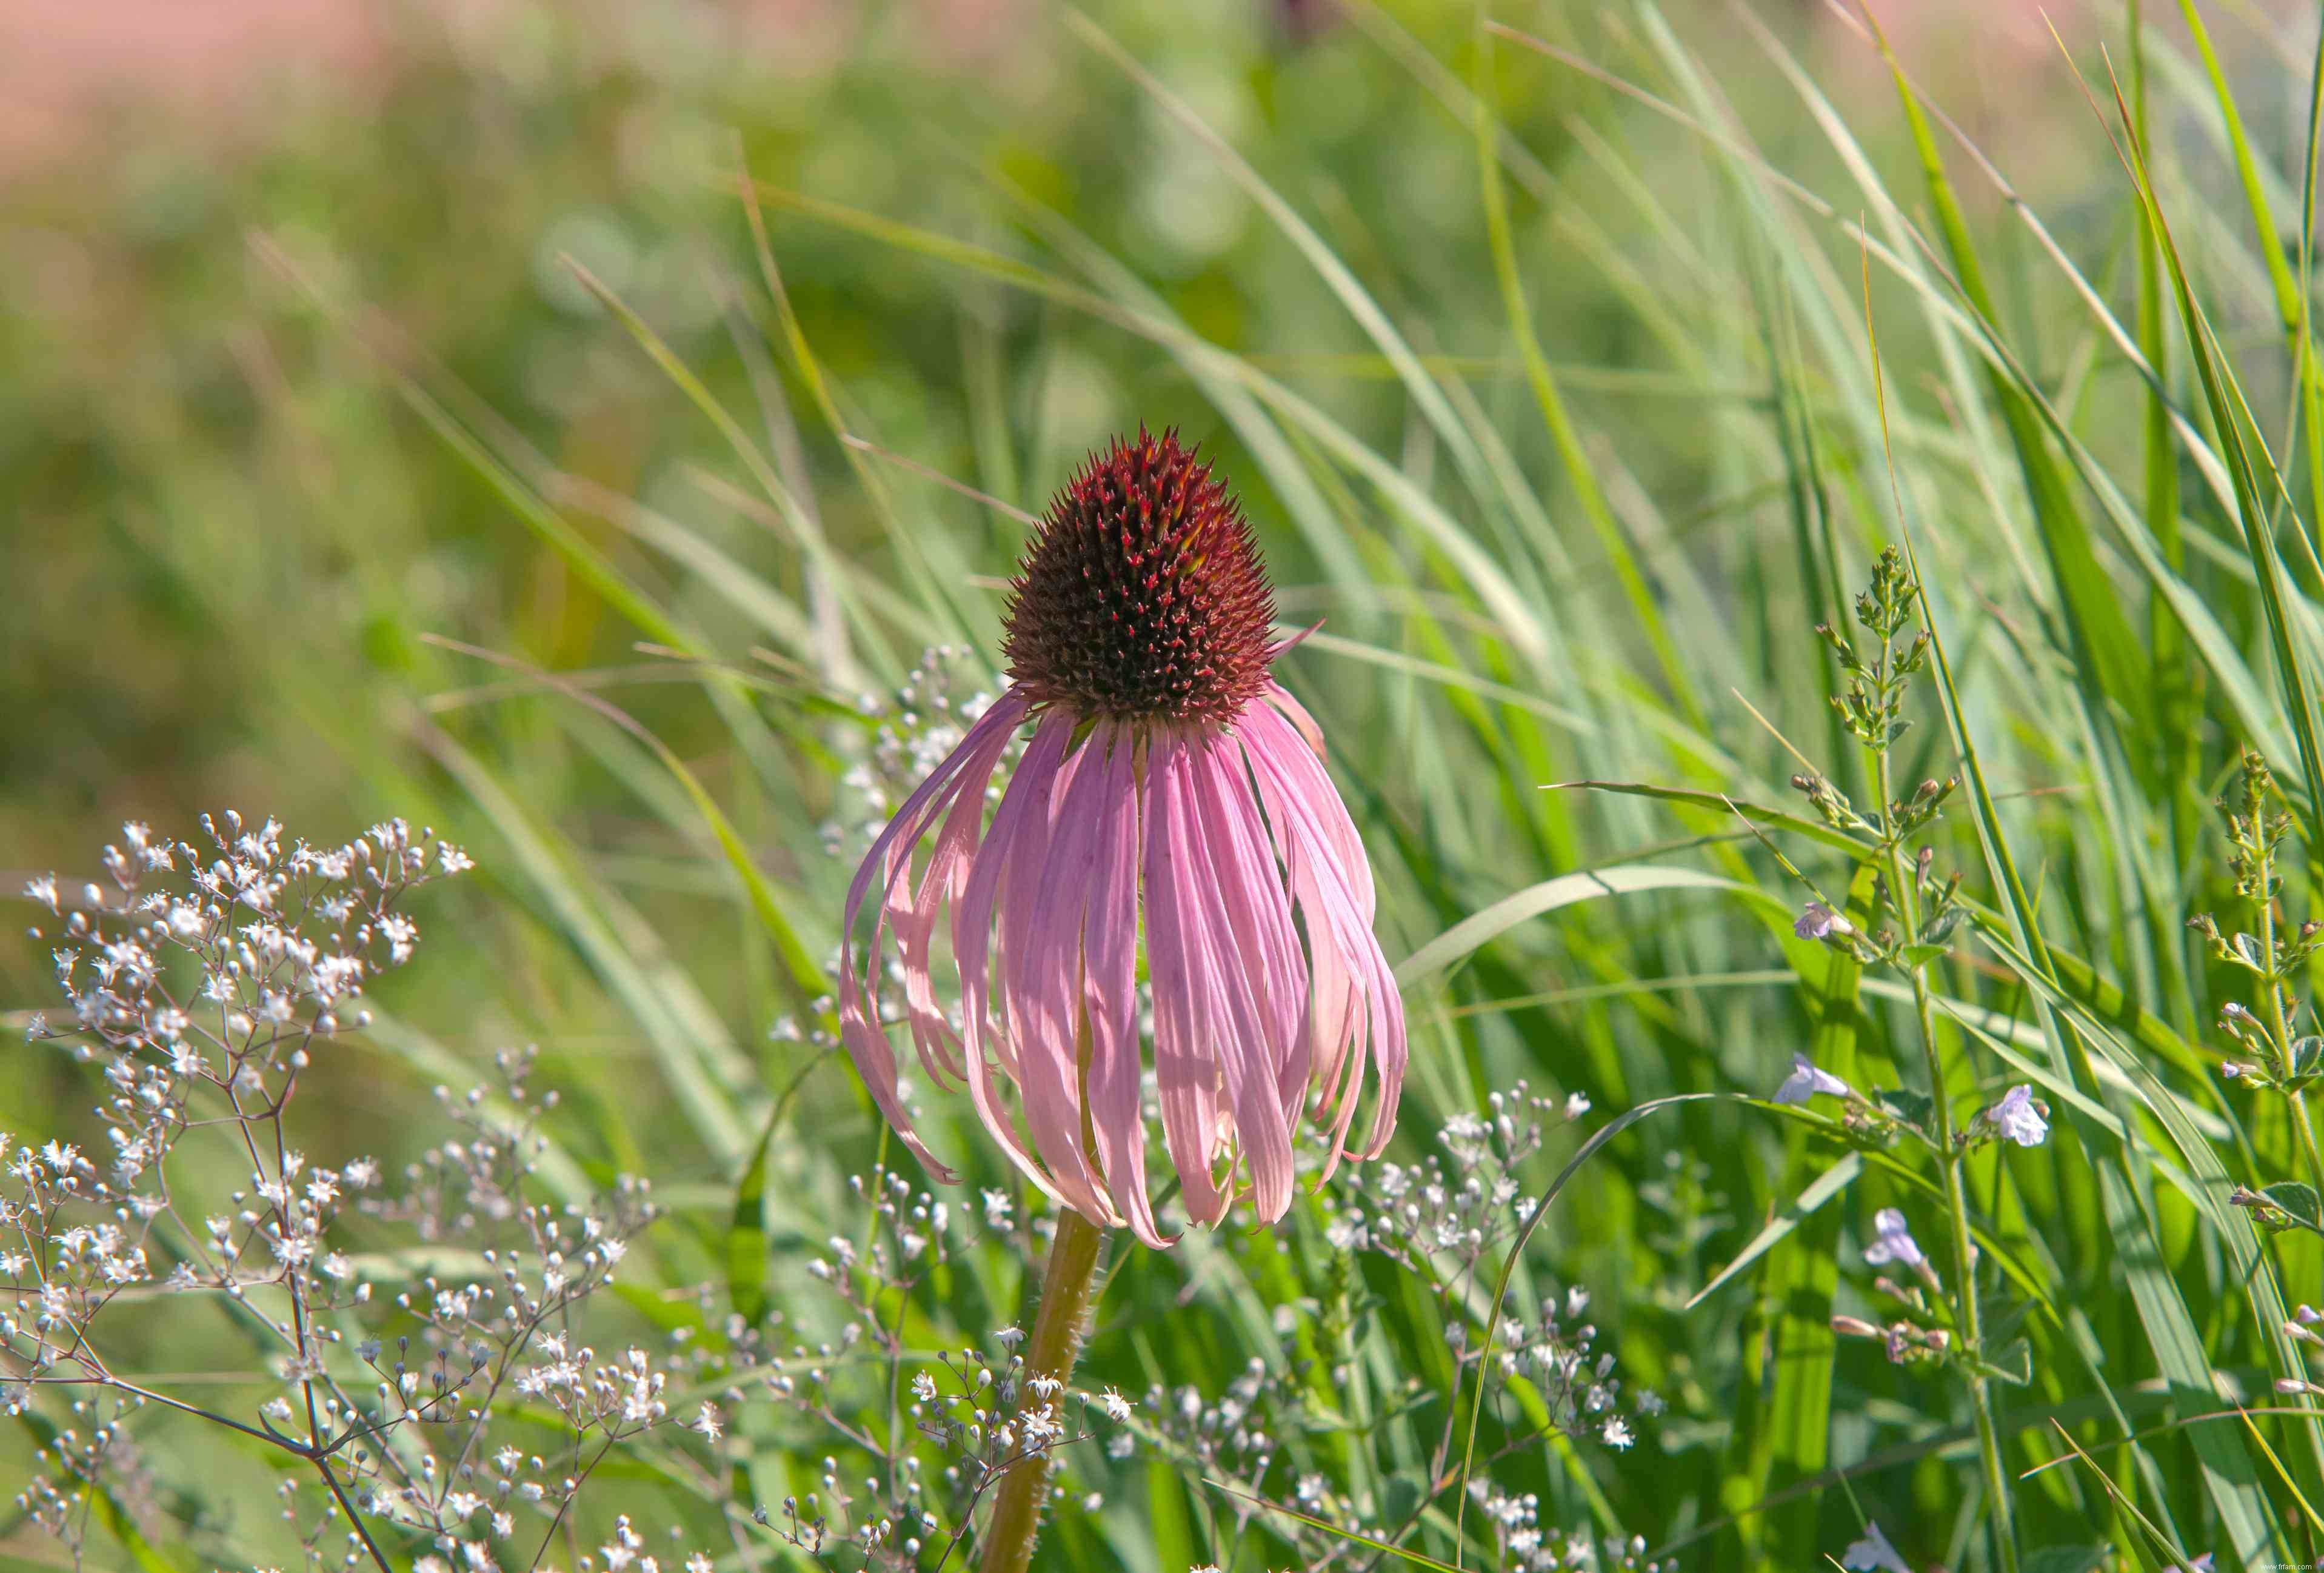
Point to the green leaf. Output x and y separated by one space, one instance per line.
1912 1108
2011 1363
1814 830
746 1233
2108 664
1919 956
2299 1199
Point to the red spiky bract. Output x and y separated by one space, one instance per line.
1142 597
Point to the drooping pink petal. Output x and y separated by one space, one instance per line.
1224 978
1276 694
1184 1074
1347 846
1339 1024
1041 935
1300 797
944 879
972 934
890 857
1110 971
1251 896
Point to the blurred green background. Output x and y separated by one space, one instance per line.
248 287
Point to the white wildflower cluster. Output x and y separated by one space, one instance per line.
926 1441
202 980
505 1336
1440 1217
622 1551
205 983
918 727
1450 1220
1251 1440
811 1036
1557 1355
1236 1435
1527 1547
913 1231
71 1461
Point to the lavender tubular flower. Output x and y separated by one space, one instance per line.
1806 1081
1818 922
2019 1119
1894 1241
1873 1552
1171 788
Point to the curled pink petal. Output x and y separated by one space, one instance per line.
866 1043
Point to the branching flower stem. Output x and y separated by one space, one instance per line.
1905 896
2278 1025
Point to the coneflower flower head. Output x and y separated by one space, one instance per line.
1170 789
1142 598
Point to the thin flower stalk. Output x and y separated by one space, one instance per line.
1871 708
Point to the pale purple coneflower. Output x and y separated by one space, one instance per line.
1170 788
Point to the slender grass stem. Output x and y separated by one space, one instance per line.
1056 1342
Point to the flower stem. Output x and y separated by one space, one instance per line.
2306 1129
1056 1340
1905 896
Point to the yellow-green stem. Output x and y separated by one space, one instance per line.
2306 1129
1906 899
1056 1340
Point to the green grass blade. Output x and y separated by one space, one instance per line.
1579 474
1826 1185
1491 922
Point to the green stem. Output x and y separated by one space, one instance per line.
2278 1025
1056 1340
2306 1129
1967 1316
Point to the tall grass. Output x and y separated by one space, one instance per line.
1570 482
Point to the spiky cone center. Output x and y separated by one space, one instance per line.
1141 597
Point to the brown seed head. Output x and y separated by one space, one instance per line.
1141 597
